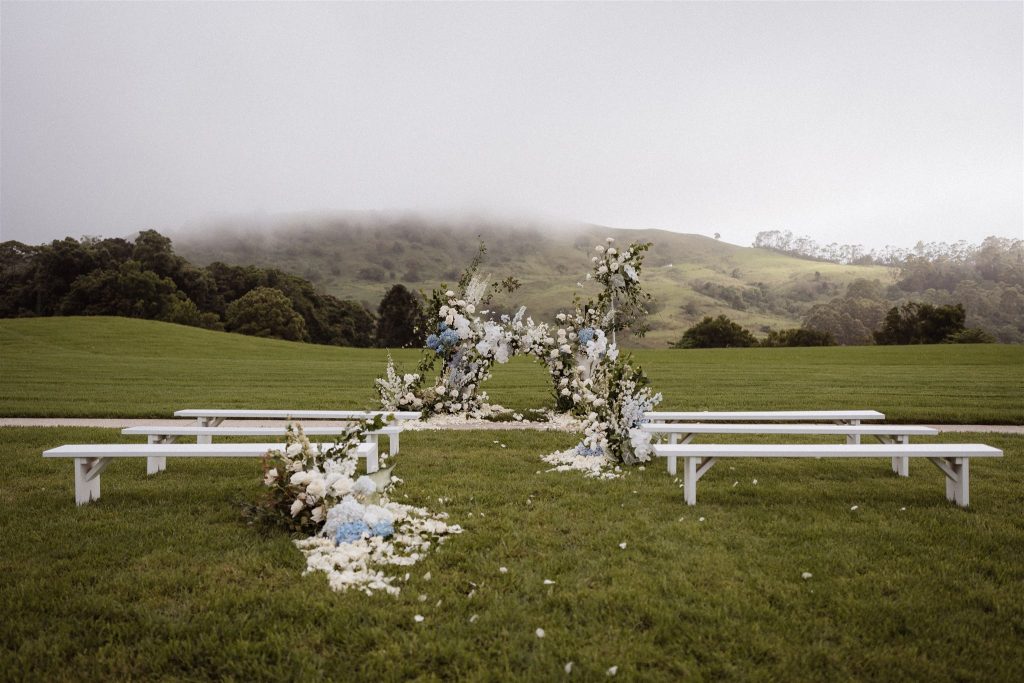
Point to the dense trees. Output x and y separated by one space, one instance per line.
146 279
920 323
713 333
401 322
265 312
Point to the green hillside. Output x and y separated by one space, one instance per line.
119 367
690 276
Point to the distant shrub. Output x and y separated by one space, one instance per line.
971 335
798 337
714 333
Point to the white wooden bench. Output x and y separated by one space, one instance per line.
684 432
845 417
91 460
169 434
952 459
213 417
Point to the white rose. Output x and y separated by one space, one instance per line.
602 269
599 249
300 478
316 488
612 252
297 507
409 378
470 308
318 513
270 477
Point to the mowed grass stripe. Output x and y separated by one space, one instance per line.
162 578
114 367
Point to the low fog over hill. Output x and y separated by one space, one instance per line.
360 256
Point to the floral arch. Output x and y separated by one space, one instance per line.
590 377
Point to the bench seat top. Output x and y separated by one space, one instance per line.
777 428
951 450
752 415
158 430
296 414
177 450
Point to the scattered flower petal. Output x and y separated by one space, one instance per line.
418 618
806 575
549 582
612 670
622 545
539 632
568 667
503 570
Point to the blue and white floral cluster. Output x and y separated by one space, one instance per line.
353 528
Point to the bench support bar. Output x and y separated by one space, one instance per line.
958 478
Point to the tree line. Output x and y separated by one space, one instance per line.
911 323
144 278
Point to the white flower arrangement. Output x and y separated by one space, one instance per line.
399 391
352 528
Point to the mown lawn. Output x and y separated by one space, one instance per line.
115 367
161 578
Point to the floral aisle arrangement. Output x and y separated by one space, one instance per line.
349 527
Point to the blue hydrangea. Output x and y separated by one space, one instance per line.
442 327
585 335
433 342
589 452
350 532
383 529
449 337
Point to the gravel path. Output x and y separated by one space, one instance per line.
120 423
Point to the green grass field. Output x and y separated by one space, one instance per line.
113 367
162 579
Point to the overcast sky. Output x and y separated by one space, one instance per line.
853 122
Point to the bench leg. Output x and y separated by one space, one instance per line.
672 439
87 480
393 445
157 463
958 479
901 463
690 480
372 461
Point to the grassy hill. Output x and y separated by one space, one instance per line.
361 256
118 367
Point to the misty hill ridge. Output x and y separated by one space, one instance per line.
361 256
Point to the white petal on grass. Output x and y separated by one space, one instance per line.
735 484
549 582
503 570
806 575
426 577
622 545
423 597
612 670
700 519
539 632
418 618
854 508
568 667
755 482
473 618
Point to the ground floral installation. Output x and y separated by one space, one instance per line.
591 380
349 527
